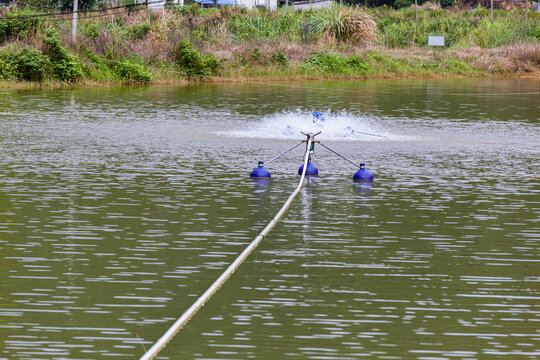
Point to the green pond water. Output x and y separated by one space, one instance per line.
120 206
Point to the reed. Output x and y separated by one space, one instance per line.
350 25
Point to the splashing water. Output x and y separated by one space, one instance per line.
337 126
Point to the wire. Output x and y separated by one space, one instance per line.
365 133
283 153
87 17
5 18
341 156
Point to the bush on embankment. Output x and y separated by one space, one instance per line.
190 42
31 64
26 64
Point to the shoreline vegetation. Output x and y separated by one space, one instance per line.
189 44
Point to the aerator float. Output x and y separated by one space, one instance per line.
362 175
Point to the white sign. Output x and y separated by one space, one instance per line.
156 5
435 40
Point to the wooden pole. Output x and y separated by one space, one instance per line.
491 11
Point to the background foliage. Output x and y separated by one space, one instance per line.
139 46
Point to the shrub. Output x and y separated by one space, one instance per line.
384 62
336 64
130 71
68 69
24 64
400 4
18 23
97 68
256 54
193 63
536 32
447 3
92 31
192 9
37 5
64 66
31 64
140 31
280 58
457 66
66 5
7 72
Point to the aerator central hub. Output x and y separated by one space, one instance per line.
311 169
362 175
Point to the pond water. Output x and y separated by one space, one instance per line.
120 206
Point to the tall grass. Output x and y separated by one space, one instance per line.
348 24
286 24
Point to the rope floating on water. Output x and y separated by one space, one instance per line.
197 305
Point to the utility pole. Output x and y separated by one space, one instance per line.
74 21
416 9
491 11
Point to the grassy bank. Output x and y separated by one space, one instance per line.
192 44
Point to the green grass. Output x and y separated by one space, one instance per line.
332 63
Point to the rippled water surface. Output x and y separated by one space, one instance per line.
120 206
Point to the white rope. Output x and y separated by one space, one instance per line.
197 305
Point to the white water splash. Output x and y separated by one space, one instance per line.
337 126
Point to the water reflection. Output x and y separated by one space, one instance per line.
260 185
363 188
